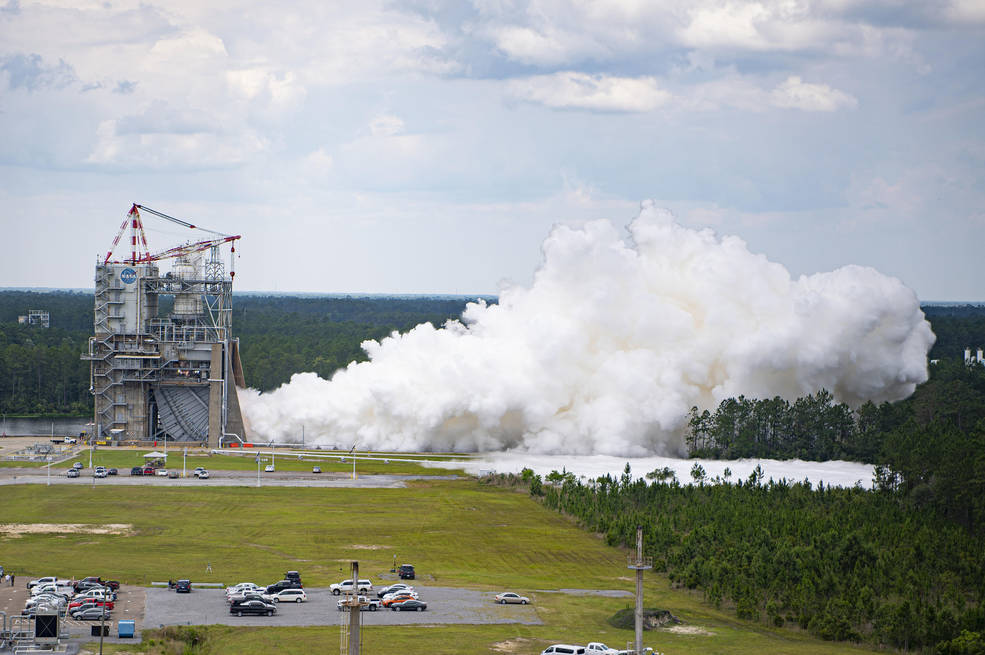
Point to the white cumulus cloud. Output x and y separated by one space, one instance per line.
573 90
794 93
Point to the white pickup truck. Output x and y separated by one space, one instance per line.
598 648
365 604
345 587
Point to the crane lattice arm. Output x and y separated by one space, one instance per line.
140 253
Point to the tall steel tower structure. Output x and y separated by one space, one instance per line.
163 362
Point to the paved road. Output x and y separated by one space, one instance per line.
217 479
445 605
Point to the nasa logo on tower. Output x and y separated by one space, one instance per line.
128 275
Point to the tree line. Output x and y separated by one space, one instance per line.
42 373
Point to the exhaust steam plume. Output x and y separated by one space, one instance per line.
610 347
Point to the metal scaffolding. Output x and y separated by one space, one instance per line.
170 376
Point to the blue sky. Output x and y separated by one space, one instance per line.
430 146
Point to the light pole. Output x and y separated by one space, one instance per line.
102 626
258 469
351 452
184 454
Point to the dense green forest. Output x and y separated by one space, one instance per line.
284 335
41 371
842 563
901 566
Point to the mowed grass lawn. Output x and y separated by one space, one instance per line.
125 459
457 533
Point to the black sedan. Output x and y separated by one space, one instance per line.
137 470
183 587
257 607
410 605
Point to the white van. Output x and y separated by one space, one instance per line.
563 649
345 587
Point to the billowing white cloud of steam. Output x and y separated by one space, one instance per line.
608 349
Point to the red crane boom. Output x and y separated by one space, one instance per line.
140 253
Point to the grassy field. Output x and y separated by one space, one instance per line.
125 459
457 533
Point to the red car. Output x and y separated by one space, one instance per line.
148 470
90 602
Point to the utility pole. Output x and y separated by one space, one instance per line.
640 564
355 613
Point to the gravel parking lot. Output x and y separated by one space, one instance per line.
445 605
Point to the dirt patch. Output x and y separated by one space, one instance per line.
18 529
688 630
510 645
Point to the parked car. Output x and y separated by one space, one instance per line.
183 587
269 468
137 470
284 584
100 593
289 596
203 475
345 587
90 614
253 594
61 588
72 473
163 473
99 473
198 469
293 575
93 590
394 588
563 649
257 607
71 440
173 474
366 604
510 597
406 572
46 599
390 601
42 607
90 602
316 469
241 587
598 648
112 471
31 584
78 465
148 470
96 580
409 605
